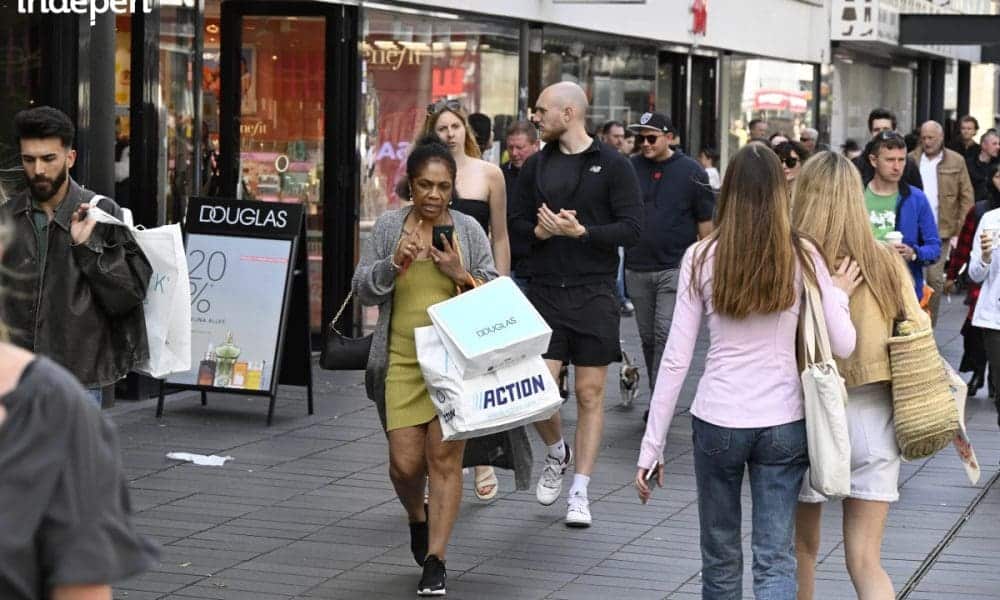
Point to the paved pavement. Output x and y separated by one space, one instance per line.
305 509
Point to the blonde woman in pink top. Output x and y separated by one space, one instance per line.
747 276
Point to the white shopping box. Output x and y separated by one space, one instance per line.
490 327
507 397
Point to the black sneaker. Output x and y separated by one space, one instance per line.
432 583
418 541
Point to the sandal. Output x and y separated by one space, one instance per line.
487 480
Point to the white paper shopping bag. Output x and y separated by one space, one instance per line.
507 397
167 308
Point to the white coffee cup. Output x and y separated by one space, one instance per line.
894 237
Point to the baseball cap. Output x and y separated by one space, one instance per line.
653 120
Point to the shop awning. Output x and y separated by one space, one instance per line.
958 30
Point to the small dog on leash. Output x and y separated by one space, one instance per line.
628 382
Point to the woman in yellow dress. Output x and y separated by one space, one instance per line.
480 192
402 273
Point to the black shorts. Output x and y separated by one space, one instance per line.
585 322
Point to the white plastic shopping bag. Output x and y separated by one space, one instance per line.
490 327
168 299
962 443
507 397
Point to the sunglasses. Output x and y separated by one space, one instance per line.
791 162
887 134
442 104
650 139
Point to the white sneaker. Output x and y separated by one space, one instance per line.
578 511
550 483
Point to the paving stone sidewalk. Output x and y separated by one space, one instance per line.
306 510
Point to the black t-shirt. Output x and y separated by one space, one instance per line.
561 179
676 197
64 505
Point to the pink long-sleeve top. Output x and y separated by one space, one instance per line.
751 377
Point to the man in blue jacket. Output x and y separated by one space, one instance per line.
893 205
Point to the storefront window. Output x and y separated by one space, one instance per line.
410 61
177 118
123 99
619 77
175 111
779 92
951 89
862 87
211 99
20 78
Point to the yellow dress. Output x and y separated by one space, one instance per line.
406 398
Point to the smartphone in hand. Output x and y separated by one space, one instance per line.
651 473
448 231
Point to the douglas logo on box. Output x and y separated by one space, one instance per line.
498 326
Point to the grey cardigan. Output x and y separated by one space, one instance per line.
374 283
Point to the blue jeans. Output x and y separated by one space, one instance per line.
777 459
95 395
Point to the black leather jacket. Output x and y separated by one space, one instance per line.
83 307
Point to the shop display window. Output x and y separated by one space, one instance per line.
620 78
410 61
862 87
777 91
20 78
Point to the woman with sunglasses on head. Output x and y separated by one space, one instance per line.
792 155
66 529
748 277
829 206
480 192
403 273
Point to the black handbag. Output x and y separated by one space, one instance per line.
343 353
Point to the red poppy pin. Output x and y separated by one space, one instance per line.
657 175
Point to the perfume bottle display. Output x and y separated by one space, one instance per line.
239 374
226 355
206 369
254 375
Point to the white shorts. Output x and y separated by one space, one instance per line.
874 452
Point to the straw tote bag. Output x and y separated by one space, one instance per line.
825 399
924 410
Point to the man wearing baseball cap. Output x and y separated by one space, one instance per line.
678 205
